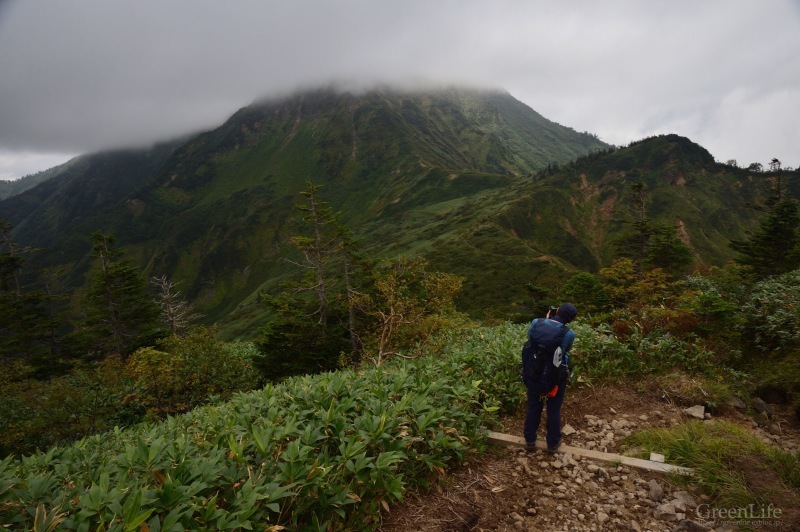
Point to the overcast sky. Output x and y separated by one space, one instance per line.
80 76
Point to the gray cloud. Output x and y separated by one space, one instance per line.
86 75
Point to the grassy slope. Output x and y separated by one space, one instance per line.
215 213
544 229
448 174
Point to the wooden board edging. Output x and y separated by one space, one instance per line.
516 442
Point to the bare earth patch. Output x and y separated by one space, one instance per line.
509 490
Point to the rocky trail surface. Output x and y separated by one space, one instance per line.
512 490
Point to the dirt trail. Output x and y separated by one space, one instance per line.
511 490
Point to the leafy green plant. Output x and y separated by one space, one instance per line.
186 370
324 451
600 354
38 414
315 451
771 314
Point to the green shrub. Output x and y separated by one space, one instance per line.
38 414
586 291
310 453
716 309
772 313
314 452
182 373
777 379
186 370
599 354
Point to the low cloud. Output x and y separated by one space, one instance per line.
87 75
20 164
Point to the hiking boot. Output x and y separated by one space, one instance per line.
530 445
553 449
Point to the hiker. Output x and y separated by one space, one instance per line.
539 379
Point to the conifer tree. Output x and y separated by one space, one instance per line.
776 192
667 251
358 271
119 315
309 327
649 244
343 301
633 243
774 247
30 317
319 247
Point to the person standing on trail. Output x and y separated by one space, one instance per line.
545 368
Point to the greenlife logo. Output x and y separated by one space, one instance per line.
750 515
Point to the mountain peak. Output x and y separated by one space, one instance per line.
673 147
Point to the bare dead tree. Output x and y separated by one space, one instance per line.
176 313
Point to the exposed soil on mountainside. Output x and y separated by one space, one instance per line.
511 490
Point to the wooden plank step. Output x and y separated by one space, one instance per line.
515 442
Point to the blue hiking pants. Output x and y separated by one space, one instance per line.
533 417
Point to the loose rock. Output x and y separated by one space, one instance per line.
696 411
686 498
656 491
666 512
736 403
761 407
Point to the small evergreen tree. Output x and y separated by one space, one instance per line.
774 247
667 251
358 271
119 315
31 319
586 291
342 304
311 325
649 244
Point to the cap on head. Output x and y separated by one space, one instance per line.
567 312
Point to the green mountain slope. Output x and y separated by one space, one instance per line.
470 179
60 214
566 220
214 211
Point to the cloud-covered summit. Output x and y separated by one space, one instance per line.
87 75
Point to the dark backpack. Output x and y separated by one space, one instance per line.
543 362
